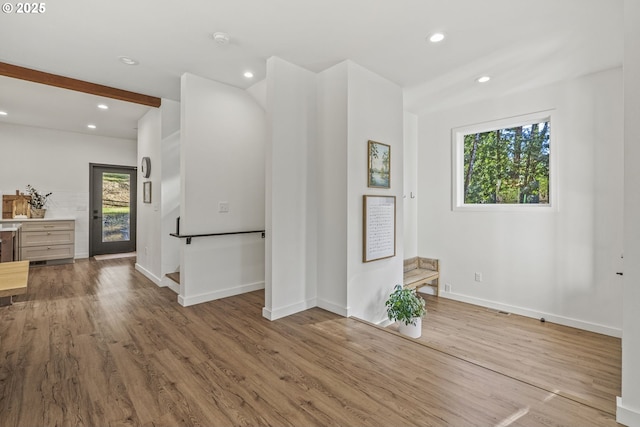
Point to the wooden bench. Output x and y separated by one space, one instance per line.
419 272
13 280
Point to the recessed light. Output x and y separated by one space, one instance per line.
128 61
436 37
483 79
3 113
248 74
91 126
103 106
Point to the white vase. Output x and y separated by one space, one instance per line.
411 330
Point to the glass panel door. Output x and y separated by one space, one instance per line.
116 207
113 209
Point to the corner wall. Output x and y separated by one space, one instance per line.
290 190
628 412
222 149
375 112
332 188
316 179
148 243
559 265
170 191
158 139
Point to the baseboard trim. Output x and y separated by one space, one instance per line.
626 416
561 320
214 295
149 275
332 307
168 283
279 313
385 322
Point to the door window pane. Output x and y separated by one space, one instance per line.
116 208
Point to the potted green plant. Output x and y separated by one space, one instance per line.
37 202
407 308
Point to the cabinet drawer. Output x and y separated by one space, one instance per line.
47 225
47 238
42 253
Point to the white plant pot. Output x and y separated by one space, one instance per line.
411 330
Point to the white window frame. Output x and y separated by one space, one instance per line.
457 138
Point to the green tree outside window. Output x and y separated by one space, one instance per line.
507 166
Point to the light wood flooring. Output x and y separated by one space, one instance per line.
578 364
97 344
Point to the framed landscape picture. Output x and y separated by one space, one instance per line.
379 167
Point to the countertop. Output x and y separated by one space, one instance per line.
19 220
10 226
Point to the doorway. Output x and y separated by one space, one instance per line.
112 209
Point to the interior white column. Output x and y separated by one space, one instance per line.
628 412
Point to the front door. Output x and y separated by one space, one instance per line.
112 194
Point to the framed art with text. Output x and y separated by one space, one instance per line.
379 227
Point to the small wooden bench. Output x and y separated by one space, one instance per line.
419 272
13 280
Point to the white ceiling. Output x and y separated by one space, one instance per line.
33 104
521 44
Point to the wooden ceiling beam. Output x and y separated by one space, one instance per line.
28 74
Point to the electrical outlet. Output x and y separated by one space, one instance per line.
478 277
447 287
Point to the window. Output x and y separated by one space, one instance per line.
504 164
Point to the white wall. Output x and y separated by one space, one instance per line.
222 140
628 411
320 125
559 265
148 243
170 207
410 193
290 190
259 93
375 112
159 139
332 188
58 162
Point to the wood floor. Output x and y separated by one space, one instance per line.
581 365
96 344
